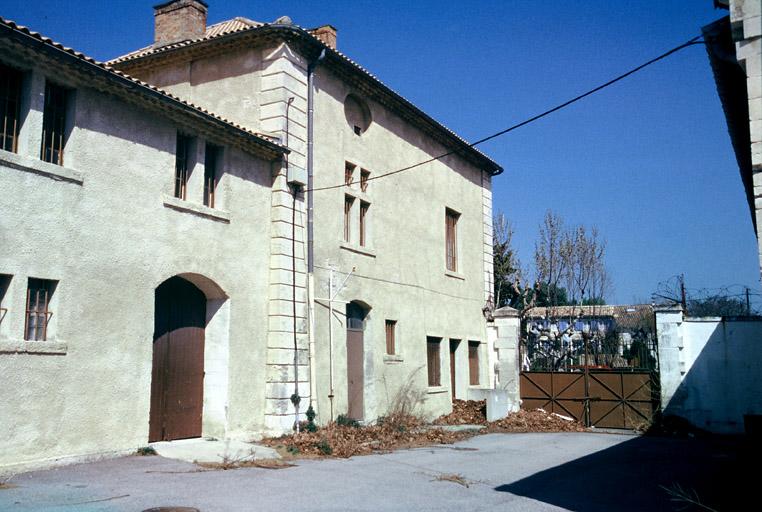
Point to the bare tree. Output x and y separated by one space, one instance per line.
510 288
551 255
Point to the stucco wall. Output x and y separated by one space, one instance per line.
106 228
709 369
401 272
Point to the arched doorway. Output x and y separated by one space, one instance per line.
356 314
177 383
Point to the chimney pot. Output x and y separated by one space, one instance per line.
179 20
327 34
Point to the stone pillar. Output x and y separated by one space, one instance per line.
669 320
507 367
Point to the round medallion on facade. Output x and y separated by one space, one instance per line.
357 113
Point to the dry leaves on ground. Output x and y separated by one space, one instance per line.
345 441
474 412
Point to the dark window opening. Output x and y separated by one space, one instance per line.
10 103
348 201
364 207
54 124
38 313
181 166
211 157
364 176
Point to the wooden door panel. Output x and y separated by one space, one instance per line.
355 374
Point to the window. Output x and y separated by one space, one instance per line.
390 339
364 176
10 101
348 201
5 282
181 166
54 124
473 362
349 171
364 207
432 360
38 294
211 156
451 239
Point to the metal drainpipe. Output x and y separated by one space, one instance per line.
295 190
310 224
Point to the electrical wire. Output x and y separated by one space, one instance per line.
532 119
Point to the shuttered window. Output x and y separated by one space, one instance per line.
433 346
10 102
211 155
451 239
348 201
54 124
391 325
349 171
181 166
364 207
473 362
38 309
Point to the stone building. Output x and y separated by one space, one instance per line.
243 224
382 243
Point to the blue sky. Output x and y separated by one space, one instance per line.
647 160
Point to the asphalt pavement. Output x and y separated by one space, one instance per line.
586 472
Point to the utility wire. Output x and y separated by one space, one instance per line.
565 104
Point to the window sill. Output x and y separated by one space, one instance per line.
33 347
455 275
435 390
45 169
358 250
196 209
392 358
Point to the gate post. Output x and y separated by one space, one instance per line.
507 367
669 337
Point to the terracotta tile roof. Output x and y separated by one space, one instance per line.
243 25
144 87
590 311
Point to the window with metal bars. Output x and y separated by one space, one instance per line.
54 124
181 166
211 158
349 172
473 363
451 239
391 326
364 176
5 283
38 295
433 360
10 103
364 207
348 202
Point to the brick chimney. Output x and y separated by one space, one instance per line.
327 34
178 20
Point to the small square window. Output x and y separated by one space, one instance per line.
349 171
364 177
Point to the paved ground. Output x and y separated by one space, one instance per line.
518 472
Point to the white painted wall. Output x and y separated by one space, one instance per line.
709 369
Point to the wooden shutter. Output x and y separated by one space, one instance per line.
473 362
432 361
451 243
390 340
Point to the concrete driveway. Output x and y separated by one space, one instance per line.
518 472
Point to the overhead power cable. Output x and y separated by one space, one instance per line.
532 119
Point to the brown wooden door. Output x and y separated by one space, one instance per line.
453 349
177 384
355 374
